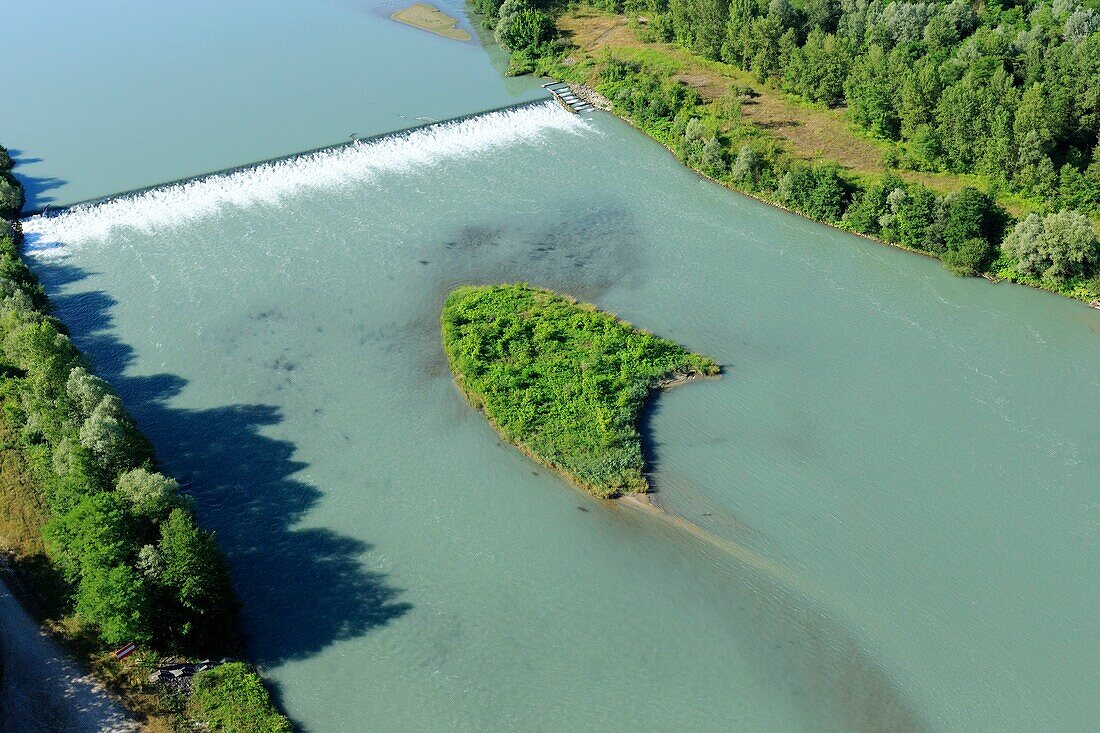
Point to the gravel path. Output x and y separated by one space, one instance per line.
42 690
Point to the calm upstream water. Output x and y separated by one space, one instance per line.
894 481
117 95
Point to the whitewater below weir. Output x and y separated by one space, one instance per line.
118 95
270 184
899 465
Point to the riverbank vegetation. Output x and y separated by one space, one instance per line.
562 380
106 546
232 697
938 127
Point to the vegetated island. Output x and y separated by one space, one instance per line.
561 380
432 19
100 544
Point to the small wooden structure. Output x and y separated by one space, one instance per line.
179 671
566 97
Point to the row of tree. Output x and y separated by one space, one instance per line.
966 229
120 533
1009 90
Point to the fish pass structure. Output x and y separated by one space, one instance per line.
567 97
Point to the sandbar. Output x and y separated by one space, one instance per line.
431 19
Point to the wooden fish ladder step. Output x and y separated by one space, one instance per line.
566 98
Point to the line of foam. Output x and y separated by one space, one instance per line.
273 182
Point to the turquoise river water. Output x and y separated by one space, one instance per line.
891 495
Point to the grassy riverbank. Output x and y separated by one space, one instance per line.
752 135
101 547
561 380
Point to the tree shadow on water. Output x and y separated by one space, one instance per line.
35 188
303 589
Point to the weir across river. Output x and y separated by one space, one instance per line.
353 140
275 181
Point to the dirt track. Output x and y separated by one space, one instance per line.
42 690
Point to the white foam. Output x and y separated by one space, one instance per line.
272 183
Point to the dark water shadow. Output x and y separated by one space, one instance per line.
35 188
818 663
585 254
650 445
814 660
303 589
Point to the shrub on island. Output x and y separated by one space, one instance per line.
232 698
562 380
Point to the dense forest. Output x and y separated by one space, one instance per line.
125 554
1004 95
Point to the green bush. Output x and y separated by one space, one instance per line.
1057 247
150 495
817 191
648 96
111 437
194 574
523 29
231 698
118 601
489 9
560 379
96 533
11 195
746 168
85 391
914 216
970 214
873 209
969 258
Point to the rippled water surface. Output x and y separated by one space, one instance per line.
885 513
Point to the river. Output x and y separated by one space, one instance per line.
122 94
896 475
